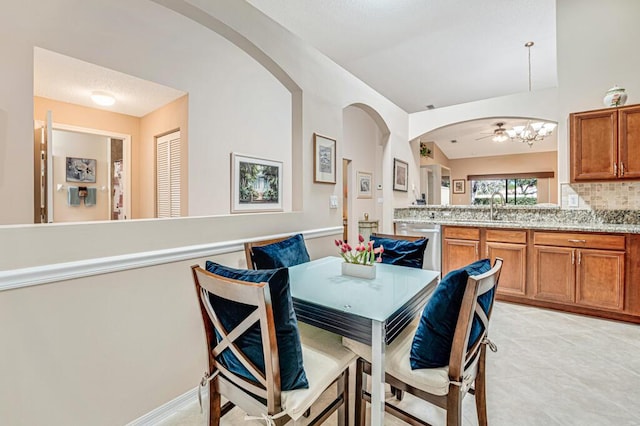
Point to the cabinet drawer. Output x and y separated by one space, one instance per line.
460 233
565 239
506 236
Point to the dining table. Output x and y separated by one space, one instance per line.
372 311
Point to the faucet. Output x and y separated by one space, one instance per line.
492 215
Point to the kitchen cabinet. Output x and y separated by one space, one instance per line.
460 246
581 269
511 246
605 144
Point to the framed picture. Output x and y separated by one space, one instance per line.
400 175
364 181
458 186
81 170
324 159
256 184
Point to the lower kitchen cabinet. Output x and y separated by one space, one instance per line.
513 277
554 274
460 247
600 279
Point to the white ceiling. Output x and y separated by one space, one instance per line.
467 134
422 52
71 80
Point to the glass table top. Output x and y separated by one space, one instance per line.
321 282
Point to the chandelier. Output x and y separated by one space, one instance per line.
532 131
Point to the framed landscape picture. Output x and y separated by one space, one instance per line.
324 159
256 184
400 175
81 170
364 181
458 186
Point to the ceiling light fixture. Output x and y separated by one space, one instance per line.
532 131
102 98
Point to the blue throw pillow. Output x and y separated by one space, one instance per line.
432 342
292 374
402 252
285 253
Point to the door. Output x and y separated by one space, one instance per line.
458 253
513 274
629 142
554 274
168 182
600 278
346 165
594 139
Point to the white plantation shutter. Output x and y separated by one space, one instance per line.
168 176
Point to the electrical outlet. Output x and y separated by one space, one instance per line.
573 200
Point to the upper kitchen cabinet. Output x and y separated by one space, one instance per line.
605 144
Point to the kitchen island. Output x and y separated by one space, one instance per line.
582 261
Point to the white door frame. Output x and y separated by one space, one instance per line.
126 158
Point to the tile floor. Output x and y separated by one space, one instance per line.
551 369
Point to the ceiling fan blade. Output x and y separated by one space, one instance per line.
484 137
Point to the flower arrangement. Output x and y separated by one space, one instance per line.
362 254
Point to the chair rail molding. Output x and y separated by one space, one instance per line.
26 277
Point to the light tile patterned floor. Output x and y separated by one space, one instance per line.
551 369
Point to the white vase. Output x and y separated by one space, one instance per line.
358 270
615 97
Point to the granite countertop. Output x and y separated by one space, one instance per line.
582 227
549 217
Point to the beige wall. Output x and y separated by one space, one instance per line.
523 163
173 116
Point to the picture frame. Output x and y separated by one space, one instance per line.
458 186
400 175
364 183
324 159
81 170
256 184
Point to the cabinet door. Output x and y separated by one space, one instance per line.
600 279
513 274
554 274
458 253
594 140
629 142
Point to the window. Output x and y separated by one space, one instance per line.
515 191
168 175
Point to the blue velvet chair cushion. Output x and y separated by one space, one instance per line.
285 253
432 342
230 313
402 252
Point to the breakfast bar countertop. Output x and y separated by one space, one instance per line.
550 218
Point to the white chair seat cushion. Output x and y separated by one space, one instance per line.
324 358
432 380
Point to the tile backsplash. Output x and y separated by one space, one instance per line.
602 195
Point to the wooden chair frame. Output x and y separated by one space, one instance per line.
460 361
411 238
248 248
238 390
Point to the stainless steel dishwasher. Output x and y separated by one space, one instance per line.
430 231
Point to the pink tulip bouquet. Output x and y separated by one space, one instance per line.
362 254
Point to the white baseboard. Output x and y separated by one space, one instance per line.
167 410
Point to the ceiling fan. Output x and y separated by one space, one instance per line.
498 135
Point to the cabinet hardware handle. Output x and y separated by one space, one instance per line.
615 169
576 241
573 257
621 169
579 257
476 250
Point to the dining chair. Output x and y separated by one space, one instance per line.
444 386
276 252
402 250
245 351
